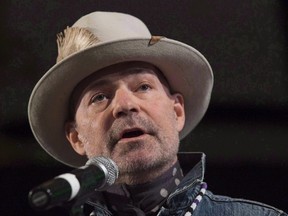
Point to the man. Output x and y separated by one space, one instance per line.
117 91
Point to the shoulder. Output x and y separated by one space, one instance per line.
223 206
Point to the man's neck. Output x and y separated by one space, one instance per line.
145 197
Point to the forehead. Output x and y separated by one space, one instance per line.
119 71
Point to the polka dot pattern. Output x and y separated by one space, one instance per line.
177 181
174 171
148 197
164 192
155 209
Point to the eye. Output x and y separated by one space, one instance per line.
98 98
144 87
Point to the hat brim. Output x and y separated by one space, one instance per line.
186 69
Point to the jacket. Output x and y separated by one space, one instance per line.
192 197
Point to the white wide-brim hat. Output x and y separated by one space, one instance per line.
122 38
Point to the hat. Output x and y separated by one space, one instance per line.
112 38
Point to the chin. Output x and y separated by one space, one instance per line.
139 163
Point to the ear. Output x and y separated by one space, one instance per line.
73 138
179 110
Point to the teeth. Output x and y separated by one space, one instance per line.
132 134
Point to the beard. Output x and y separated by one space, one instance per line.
136 157
141 159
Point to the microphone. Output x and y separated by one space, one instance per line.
98 174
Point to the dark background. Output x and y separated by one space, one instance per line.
245 131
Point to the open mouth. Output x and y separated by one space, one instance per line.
132 133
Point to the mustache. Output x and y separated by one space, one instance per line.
127 122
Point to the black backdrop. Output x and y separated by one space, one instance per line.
245 131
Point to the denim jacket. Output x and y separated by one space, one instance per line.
189 190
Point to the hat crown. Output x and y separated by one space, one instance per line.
110 26
99 27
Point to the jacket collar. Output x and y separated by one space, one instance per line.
193 167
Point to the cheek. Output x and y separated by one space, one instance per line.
87 121
93 131
86 128
93 140
163 113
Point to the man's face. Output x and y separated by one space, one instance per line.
126 113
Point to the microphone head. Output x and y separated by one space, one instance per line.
108 166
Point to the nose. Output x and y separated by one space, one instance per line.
125 103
